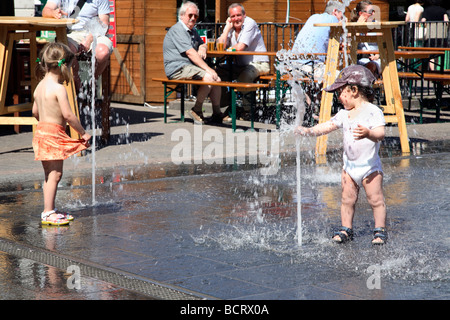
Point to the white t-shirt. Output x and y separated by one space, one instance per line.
251 36
360 156
92 8
415 10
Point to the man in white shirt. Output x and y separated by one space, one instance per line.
241 33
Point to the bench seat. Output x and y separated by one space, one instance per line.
237 86
439 78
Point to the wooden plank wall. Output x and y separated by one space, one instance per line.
127 60
137 20
159 15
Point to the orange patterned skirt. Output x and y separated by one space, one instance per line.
50 142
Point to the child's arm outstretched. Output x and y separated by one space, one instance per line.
68 115
318 130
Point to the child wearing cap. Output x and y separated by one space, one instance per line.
363 129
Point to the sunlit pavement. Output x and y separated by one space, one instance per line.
155 229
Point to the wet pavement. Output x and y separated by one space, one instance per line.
160 230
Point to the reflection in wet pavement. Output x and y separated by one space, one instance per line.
231 233
24 279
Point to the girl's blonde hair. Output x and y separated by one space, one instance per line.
55 56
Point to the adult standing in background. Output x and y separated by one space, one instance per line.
184 53
241 33
434 12
414 12
414 15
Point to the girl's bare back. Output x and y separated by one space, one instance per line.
50 98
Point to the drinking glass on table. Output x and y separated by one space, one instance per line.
220 46
211 44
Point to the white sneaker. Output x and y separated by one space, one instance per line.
198 119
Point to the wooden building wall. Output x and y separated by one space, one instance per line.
159 15
141 27
128 58
138 57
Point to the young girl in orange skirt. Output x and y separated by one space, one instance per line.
51 108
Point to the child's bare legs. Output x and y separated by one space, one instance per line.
53 173
373 185
350 192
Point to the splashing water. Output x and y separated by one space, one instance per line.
94 133
299 118
299 99
96 28
284 66
288 64
273 236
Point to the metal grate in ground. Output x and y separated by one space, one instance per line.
145 286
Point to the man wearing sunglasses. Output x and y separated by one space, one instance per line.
184 53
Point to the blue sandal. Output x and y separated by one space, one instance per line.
343 237
379 233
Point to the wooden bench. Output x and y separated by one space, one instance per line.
178 85
444 78
439 78
442 53
423 48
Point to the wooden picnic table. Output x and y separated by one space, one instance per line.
440 78
229 55
409 55
234 85
422 54
423 48
217 53
24 28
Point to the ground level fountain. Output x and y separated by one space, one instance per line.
227 232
